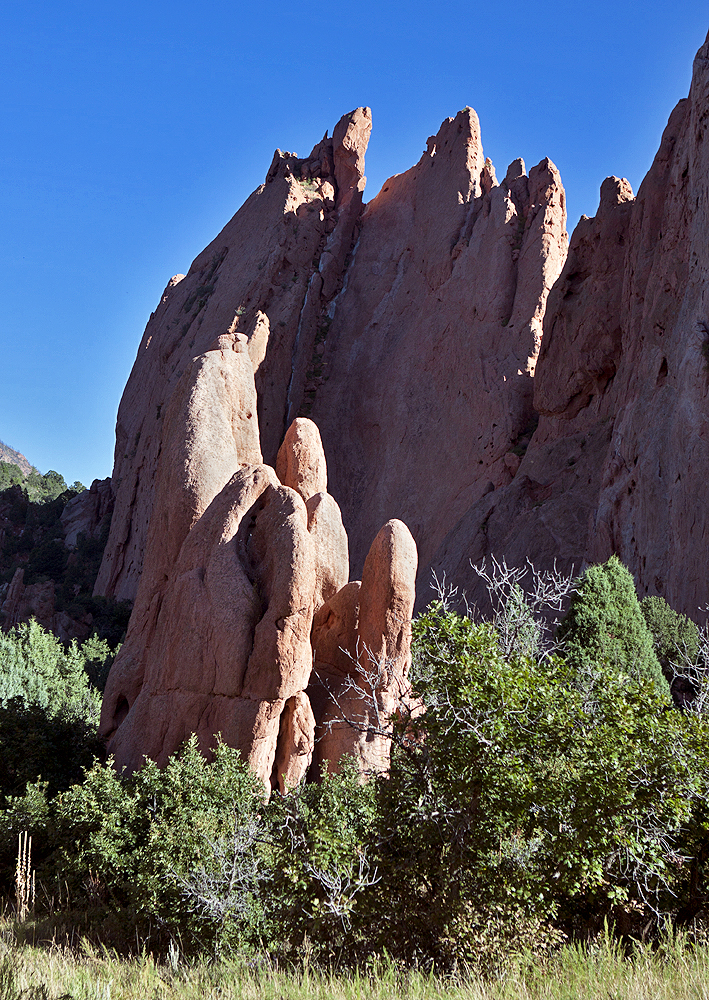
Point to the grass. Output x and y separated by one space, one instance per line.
599 972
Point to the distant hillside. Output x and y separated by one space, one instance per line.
8 454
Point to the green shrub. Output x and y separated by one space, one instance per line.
37 746
37 669
147 841
514 806
675 638
48 708
604 624
10 475
522 805
324 867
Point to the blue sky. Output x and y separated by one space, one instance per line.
132 132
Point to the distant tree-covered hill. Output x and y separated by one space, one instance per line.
15 470
57 576
12 457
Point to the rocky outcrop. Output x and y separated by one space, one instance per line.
265 279
361 652
409 330
12 457
434 294
618 461
467 377
219 641
38 600
88 512
434 340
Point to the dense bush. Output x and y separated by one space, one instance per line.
536 796
524 798
49 708
193 853
38 669
36 745
675 638
10 475
604 624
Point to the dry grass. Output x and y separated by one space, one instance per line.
674 972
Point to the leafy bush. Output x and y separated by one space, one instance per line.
48 708
37 746
143 846
324 866
675 638
604 624
529 798
10 475
516 805
37 669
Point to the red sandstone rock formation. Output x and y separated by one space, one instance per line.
361 652
86 513
434 339
618 461
263 278
411 330
219 641
37 600
446 270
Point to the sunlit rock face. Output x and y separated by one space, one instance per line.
237 563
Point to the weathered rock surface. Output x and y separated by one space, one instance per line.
362 646
618 462
260 279
433 341
410 330
332 561
296 741
219 641
280 551
86 514
300 462
38 600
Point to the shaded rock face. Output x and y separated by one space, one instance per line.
361 652
408 330
618 461
434 339
86 513
38 600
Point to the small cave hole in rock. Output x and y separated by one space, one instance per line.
662 374
122 709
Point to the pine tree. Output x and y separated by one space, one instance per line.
605 624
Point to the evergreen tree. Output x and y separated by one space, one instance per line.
675 637
605 624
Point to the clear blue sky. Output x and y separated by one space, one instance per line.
131 133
